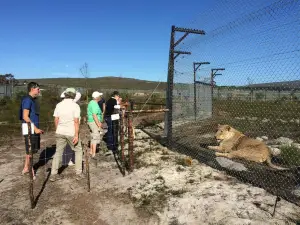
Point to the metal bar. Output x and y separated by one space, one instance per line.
197 67
148 111
181 39
149 103
169 105
130 143
87 165
195 92
275 205
176 55
192 31
122 138
30 167
181 52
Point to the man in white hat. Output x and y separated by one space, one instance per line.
67 114
94 120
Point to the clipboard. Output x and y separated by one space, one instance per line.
115 117
25 128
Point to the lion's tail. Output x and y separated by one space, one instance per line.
274 166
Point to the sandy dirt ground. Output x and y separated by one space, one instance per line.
164 188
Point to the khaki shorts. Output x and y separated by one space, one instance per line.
96 133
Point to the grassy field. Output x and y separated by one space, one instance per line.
261 118
285 110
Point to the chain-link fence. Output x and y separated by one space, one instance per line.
242 70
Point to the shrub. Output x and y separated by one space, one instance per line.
290 155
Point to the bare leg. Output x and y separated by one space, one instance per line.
93 149
27 165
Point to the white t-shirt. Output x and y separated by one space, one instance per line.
66 111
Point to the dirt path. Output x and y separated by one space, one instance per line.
163 189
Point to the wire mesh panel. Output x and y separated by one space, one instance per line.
251 83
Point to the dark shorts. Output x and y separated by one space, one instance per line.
35 143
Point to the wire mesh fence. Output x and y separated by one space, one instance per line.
243 71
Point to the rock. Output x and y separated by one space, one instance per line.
275 146
297 191
297 145
180 168
297 121
265 138
275 151
284 141
229 164
252 118
259 139
282 121
265 120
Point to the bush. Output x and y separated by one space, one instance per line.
290 155
4 101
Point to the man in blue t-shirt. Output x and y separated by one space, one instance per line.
29 113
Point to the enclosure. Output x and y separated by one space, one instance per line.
247 60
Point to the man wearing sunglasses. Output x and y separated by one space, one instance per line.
29 113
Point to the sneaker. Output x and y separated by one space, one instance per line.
80 176
71 163
55 177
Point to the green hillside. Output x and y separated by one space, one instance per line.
101 82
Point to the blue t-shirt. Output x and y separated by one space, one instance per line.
30 103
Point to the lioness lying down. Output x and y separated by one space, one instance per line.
234 144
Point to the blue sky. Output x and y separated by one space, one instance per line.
43 39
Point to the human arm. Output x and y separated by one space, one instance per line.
56 120
76 124
98 123
76 136
26 118
95 110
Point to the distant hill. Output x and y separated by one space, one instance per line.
102 82
284 85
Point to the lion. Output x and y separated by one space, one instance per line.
234 144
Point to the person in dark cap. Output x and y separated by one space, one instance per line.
111 117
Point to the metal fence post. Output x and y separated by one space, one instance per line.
122 136
30 167
168 121
130 144
87 165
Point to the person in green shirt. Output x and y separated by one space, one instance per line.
94 119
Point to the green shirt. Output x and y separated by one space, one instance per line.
93 108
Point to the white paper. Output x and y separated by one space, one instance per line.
115 116
25 128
